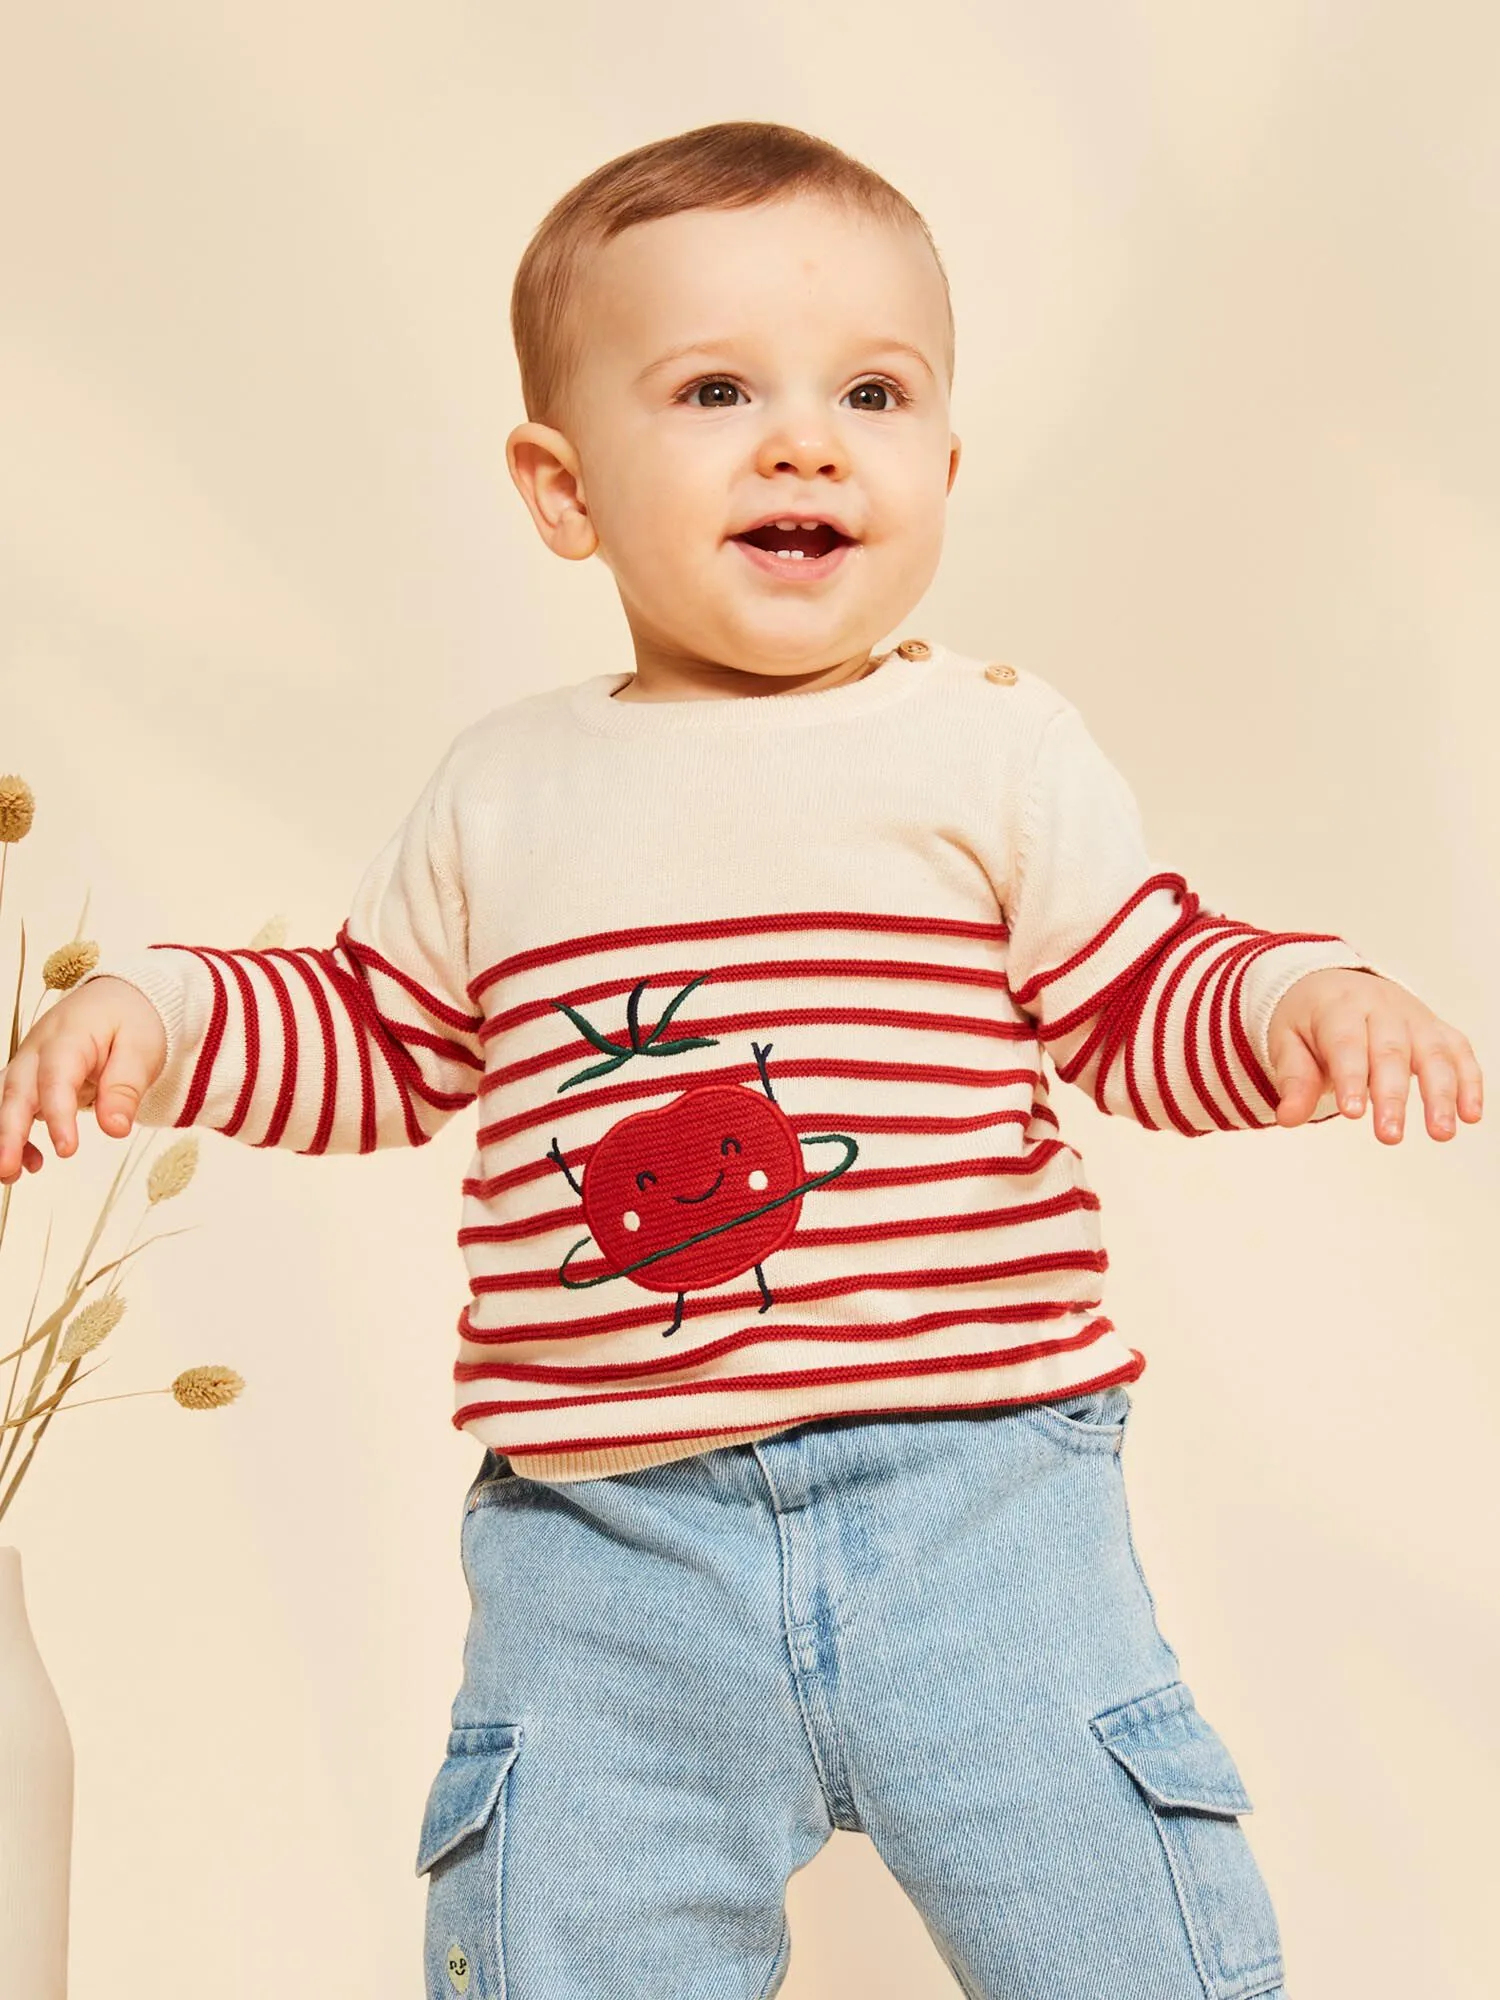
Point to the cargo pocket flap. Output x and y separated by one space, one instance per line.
1175 1757
463 1794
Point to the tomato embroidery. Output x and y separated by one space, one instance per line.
699 1190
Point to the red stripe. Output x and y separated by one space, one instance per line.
486 1187
868 1069
1017 1311
217 1019
779 1017
819 1288
1209 997
1269 1093
430 1002
1092 946
725 927
763 968
286 1096
343 984
552 1109
328 1109
366 1021
251 1037
808 1238
872 1371
759 1334
1118 1010
1206 975
1238 960
853 1181
803 1123
371 1029
1216 1017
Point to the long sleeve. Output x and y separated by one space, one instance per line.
1158 1008
374 1042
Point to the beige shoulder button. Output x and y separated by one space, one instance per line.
997 671
914 649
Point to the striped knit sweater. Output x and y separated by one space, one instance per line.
749 998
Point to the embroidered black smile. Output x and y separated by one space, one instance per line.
701 1197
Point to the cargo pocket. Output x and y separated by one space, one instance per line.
1196 1796
461 1849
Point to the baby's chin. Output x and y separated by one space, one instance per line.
705 614
791 645
781 649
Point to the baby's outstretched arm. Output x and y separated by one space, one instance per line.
374 1042
1160 1009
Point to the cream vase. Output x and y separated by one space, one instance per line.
36 1807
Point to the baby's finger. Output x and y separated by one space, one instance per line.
17 1111
1343 1039
1390 1075
1299 1082
1437 1079
60 1074
1470 1078
124 1080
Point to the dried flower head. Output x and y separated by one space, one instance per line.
64 967
272 932
172 1170
208 1388
89 1326
17 807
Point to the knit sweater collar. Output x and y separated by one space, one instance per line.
896 679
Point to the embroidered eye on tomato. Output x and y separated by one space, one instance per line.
712 1172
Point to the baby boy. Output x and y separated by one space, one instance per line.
746 960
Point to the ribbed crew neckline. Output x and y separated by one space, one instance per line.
895 679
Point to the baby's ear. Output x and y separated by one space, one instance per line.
549 478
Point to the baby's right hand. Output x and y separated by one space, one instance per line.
102 1045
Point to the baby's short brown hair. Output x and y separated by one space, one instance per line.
733 165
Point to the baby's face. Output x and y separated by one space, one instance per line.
814 384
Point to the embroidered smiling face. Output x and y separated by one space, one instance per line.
712 1159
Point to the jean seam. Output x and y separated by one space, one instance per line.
1141 1574
786 1618
783 1953
1217 1985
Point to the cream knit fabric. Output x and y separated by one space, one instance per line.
747 997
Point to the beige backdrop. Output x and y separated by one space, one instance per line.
1228 300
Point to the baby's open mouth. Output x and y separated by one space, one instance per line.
803 542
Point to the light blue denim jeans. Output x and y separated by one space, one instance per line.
933 1630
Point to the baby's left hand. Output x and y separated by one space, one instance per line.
1343 1028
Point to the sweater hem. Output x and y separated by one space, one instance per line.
601 1462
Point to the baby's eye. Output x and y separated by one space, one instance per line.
717 382
895 396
